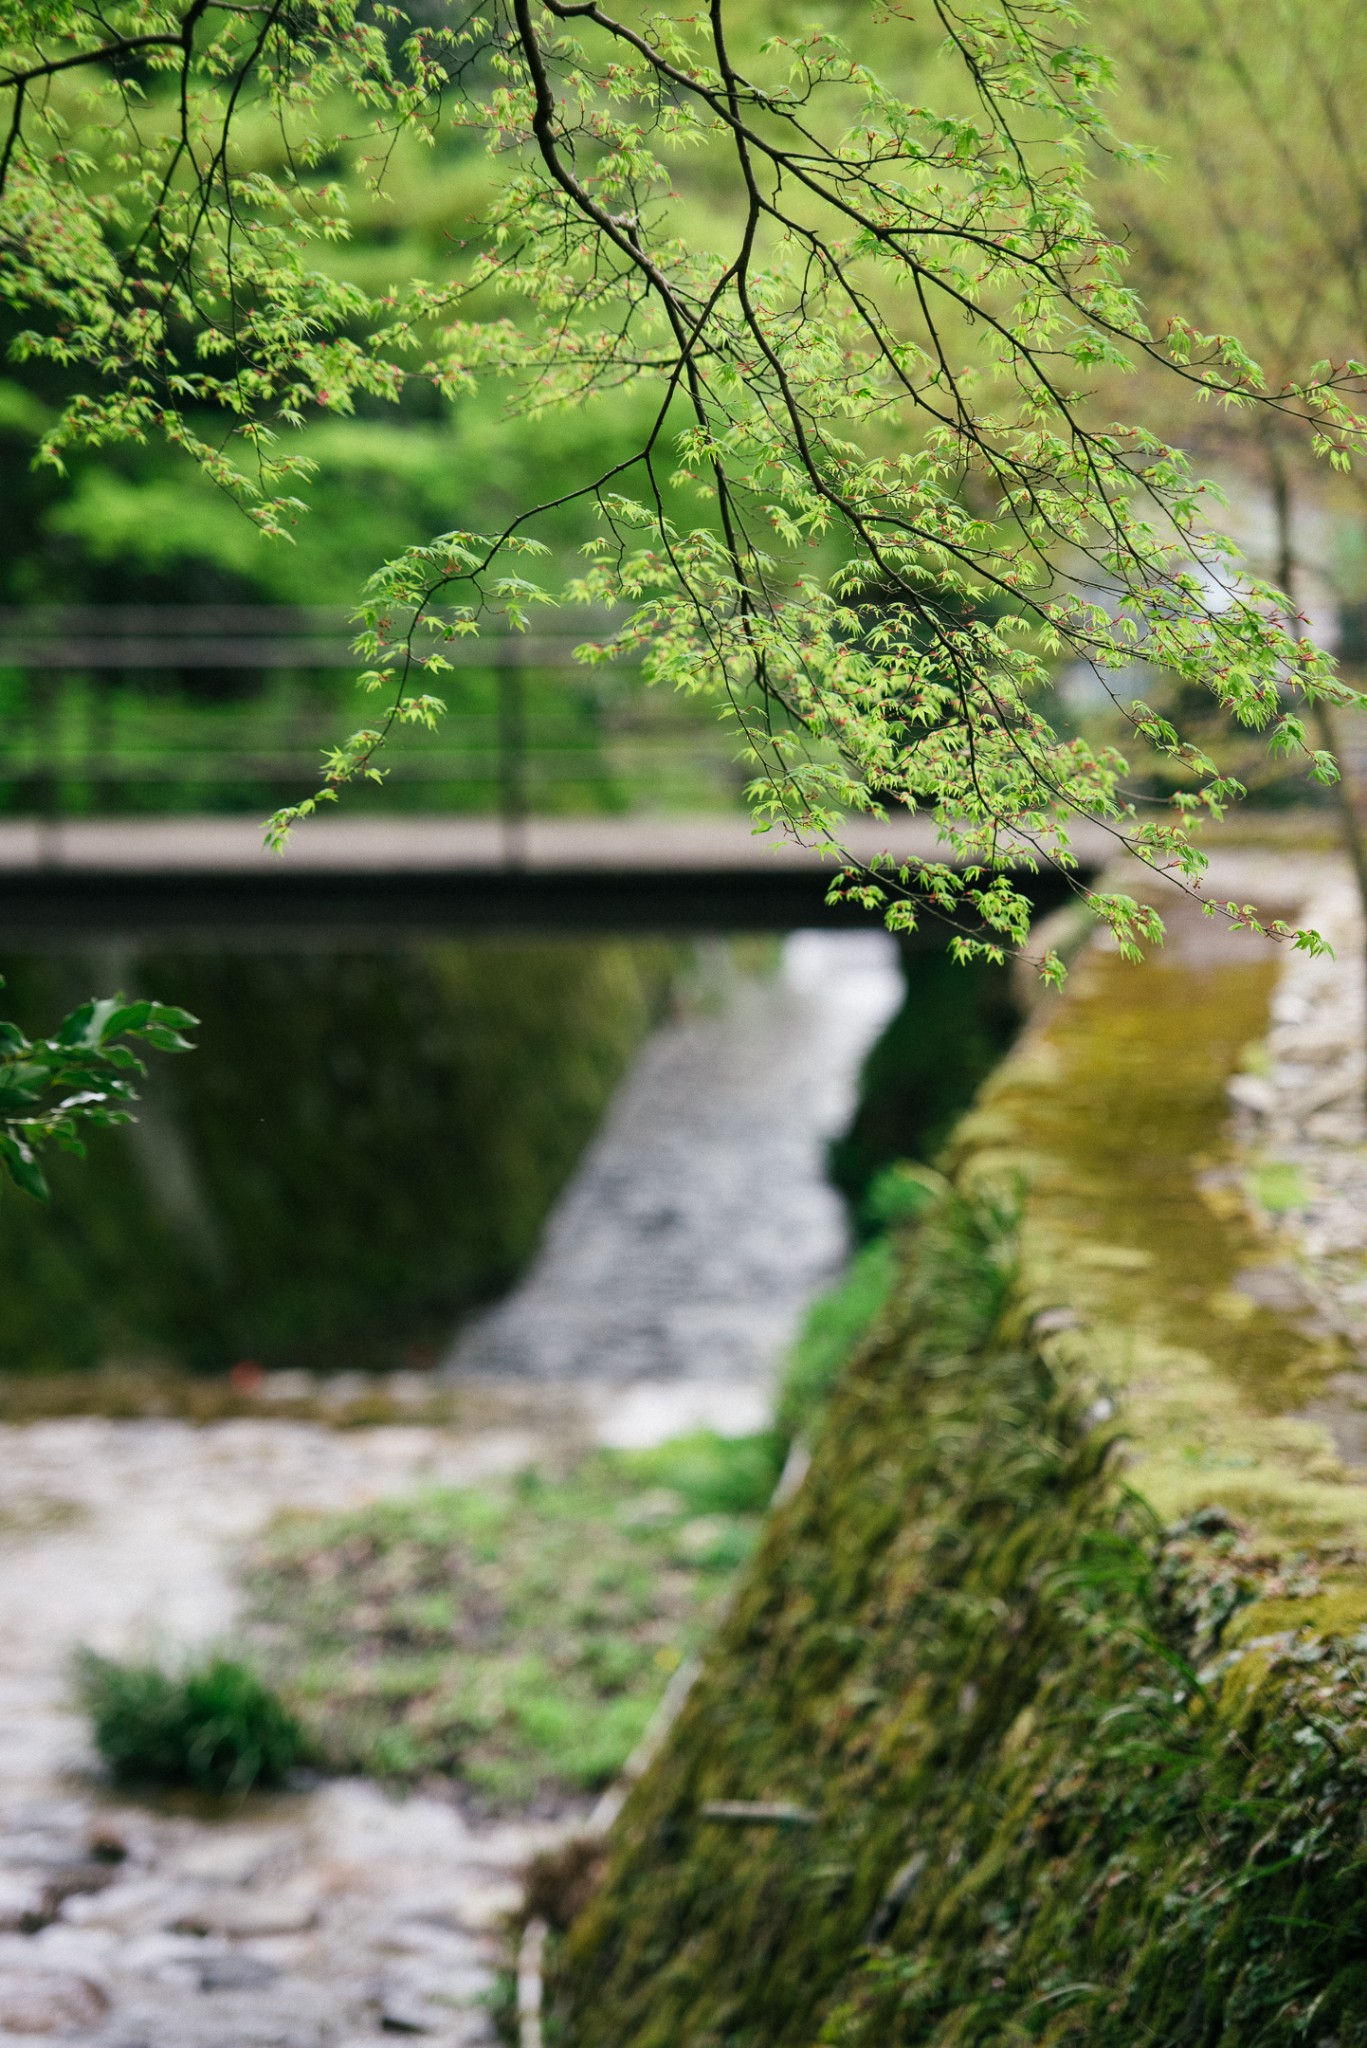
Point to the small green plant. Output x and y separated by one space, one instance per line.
713 1475
1279 1186
898 1197
213 1725
831 1328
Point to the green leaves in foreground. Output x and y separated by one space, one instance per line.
213 1726
51 1087
881 490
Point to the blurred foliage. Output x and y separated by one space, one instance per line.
1257 219
363 1150
114 742
139 525
1256 223
842 1317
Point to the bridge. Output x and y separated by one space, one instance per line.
381 880
142 709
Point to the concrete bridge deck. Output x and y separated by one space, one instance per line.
385 879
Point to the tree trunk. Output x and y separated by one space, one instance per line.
1350 824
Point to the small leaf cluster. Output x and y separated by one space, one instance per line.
51 1089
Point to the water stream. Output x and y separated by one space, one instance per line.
701 1222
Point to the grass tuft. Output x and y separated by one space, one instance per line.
213 1725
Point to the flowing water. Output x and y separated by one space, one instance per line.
676 1266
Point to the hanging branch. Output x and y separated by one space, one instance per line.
869 358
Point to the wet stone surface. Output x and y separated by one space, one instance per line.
700 1221
335 1917
311 1920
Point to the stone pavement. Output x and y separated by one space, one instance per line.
1306 1113
309 1920
337 1917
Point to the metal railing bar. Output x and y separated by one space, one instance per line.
266 655
224 618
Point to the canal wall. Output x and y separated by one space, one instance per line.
1039 1716
361 1152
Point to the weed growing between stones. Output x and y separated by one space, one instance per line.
213 1725
1057 1794
519 1636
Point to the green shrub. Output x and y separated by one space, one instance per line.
897 1197
830 1330
213 1725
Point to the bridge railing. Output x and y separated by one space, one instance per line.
183 707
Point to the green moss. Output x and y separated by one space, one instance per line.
1337 1612
1117 1112
970 1652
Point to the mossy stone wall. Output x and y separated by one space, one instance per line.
363 1148
1059 1647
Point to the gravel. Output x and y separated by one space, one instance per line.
1301 1121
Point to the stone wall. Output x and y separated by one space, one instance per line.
1039 1716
